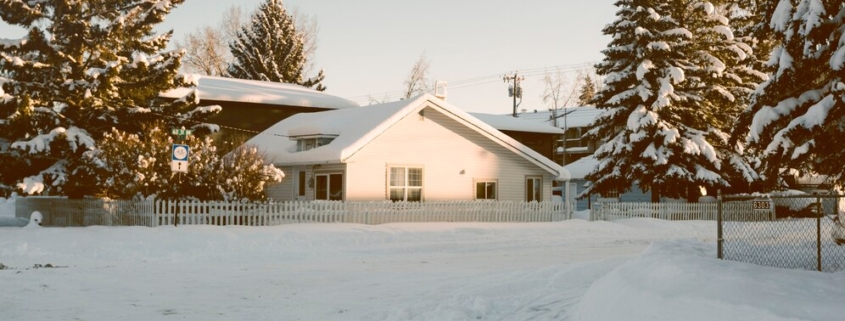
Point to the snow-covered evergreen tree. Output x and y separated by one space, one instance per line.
83 68
271 49
797 117
671 92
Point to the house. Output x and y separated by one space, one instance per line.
539 136
579 169
573 121
411 150
253 106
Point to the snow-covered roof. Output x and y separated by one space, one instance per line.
261 92
355 128
508 122
583 166
581 116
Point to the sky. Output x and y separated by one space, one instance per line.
630 269
368 47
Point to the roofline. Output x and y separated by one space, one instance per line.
465 119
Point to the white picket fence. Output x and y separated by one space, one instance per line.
732 211
264 214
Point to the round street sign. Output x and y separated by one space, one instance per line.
180 152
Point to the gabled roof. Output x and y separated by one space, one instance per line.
508 122
261 92
357 127
581 116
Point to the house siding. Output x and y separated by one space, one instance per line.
288 189
452 156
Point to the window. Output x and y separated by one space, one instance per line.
301 187
485 190
533 189
308 143
405 184
328 187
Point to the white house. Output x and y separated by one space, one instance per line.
411 150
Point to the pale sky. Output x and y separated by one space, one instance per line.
367 47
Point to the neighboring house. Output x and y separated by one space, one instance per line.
256 105
575 121
539 136
579 169
412 150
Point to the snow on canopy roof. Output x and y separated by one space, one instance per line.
508 122
581 116
260 92
354 128
583 166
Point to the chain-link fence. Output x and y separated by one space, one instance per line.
796 232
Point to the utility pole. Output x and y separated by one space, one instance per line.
514 90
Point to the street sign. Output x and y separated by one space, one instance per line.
179 159
181 132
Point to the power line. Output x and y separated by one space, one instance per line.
482 80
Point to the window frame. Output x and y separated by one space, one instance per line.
389 187
328 196
538 194
475 190
302 182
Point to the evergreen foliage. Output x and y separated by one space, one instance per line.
588 91
83 68
795 118
674 81
271 49
127 166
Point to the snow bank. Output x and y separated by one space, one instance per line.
682 280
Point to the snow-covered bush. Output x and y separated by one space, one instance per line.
127 166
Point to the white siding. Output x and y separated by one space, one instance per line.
288 189
452 156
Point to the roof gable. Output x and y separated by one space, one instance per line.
357 127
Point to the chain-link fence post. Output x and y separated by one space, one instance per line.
819 215
719 239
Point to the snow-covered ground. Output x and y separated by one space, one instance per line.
635 269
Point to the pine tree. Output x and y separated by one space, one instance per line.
795 118
83 68
669 96
588 91
271 49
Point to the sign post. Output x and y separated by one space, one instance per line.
179 160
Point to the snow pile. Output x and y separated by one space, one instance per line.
681 280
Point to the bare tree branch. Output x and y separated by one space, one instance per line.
417 81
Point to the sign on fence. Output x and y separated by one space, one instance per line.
761 205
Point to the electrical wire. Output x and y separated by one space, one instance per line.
483 80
